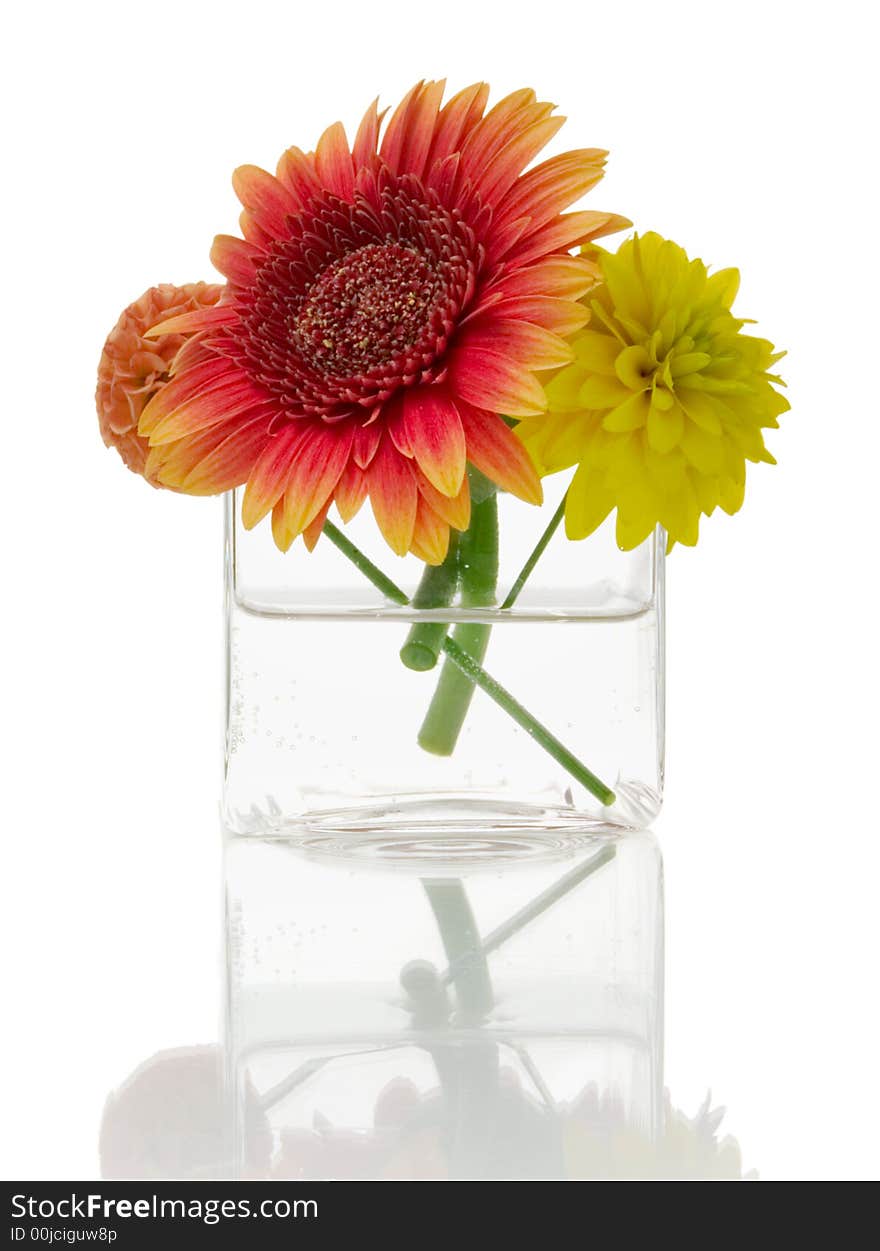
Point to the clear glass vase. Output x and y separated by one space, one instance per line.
419 1017
329 735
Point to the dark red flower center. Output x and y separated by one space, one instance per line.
366 309
359 301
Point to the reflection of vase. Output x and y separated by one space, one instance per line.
327 729
418 1017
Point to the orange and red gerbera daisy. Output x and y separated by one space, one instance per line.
387 304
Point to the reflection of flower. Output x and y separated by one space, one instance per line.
601 1143
592 1138
169 1120
132 369
387 303
665 401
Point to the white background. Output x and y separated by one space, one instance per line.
745 131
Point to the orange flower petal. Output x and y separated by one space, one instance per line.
312 532
393 496
563 317
506 119
456 120
490 380
434 433
235 398
563 277
193 323
214 460
266 199
430 540
543 192
505 168
394 139
351 491
334 163
181 390
529 344
498 453
421 122
235 259
366 140
297 174
366 440
270 474
314 473
455 510
561 233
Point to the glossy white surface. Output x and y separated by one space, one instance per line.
119 162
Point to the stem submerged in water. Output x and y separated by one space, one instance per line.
478 571
522 717
436 590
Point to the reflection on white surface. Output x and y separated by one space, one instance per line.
424 1021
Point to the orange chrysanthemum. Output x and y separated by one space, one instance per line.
387 303
132 369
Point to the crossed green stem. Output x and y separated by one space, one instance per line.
472 564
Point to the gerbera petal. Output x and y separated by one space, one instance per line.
503 170
490 380
351 491
236 398
497 452
180 390
563 317
552 186
215 460
394 138
235 258
456 509
456 120
430 539
393 496
366 441
435 435
563 277
266 199
314 473
562 233
530 344
297 174
269 476
366 140
193 323
420 128
334 164
312 532
498 127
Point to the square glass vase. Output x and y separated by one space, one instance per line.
330 735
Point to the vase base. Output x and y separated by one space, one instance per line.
443 827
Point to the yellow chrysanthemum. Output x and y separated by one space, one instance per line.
665 401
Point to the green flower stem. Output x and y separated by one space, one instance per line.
380 580
478 570
436 590
522 717
462 944
513 593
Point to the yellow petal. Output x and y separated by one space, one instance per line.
632 414
665 429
